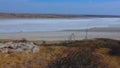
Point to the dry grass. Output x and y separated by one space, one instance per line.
78 54
111 61
48 57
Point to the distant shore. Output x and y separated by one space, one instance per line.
26 15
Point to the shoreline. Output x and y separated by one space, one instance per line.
58 35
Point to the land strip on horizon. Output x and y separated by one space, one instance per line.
27 15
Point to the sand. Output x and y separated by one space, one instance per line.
59 35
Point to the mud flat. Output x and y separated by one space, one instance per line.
59 35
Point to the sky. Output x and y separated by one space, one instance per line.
91 7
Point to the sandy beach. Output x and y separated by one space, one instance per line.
58 35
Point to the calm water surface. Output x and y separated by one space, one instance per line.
29 25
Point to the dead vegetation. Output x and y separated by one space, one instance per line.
98 53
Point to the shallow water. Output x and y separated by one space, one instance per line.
30 25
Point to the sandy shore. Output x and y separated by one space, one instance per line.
59 35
